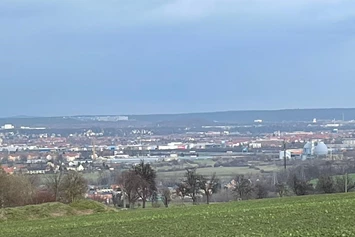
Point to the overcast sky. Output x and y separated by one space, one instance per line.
67 57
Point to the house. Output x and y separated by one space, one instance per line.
13 157
36 171
80 168
72 168
71 156
9 170
32 156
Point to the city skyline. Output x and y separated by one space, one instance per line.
83 58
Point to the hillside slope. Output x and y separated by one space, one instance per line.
52 210
322 215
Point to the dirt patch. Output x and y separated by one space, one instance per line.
85 212
58 214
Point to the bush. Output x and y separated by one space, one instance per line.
42 197
325 184
261 190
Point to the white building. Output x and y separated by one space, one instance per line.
8 127
122 118
255 145
349 142
291 154
314 148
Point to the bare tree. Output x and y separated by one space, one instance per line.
129 181
326 184
344 181
182 191
34 180
260 190
15 190
210 186
243 187
146 184
54 185
166 194
74 186
300 187
192 183
281 189
3 187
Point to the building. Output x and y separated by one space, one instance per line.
71 156
350 142
313 149
122 118
8 170
255 145
36 171
8 127
291 154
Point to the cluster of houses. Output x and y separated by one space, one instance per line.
45 162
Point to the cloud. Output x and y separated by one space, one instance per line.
137 12
187 10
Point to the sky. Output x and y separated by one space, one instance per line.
75 57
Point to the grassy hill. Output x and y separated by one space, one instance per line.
51 210
322 215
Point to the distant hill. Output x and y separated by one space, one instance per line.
249 116
39 121
272 116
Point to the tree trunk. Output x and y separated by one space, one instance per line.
124 201
144 199
208 198
194 199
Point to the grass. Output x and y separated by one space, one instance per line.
320 215
220 172
48 210
351 176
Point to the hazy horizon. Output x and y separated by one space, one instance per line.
177 113
64 58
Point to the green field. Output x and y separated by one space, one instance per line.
351 176
221 172
322 215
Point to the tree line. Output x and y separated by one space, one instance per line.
138 185
20 190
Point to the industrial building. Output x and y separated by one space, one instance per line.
291 154
311 149
314 149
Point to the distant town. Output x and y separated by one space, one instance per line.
101 152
